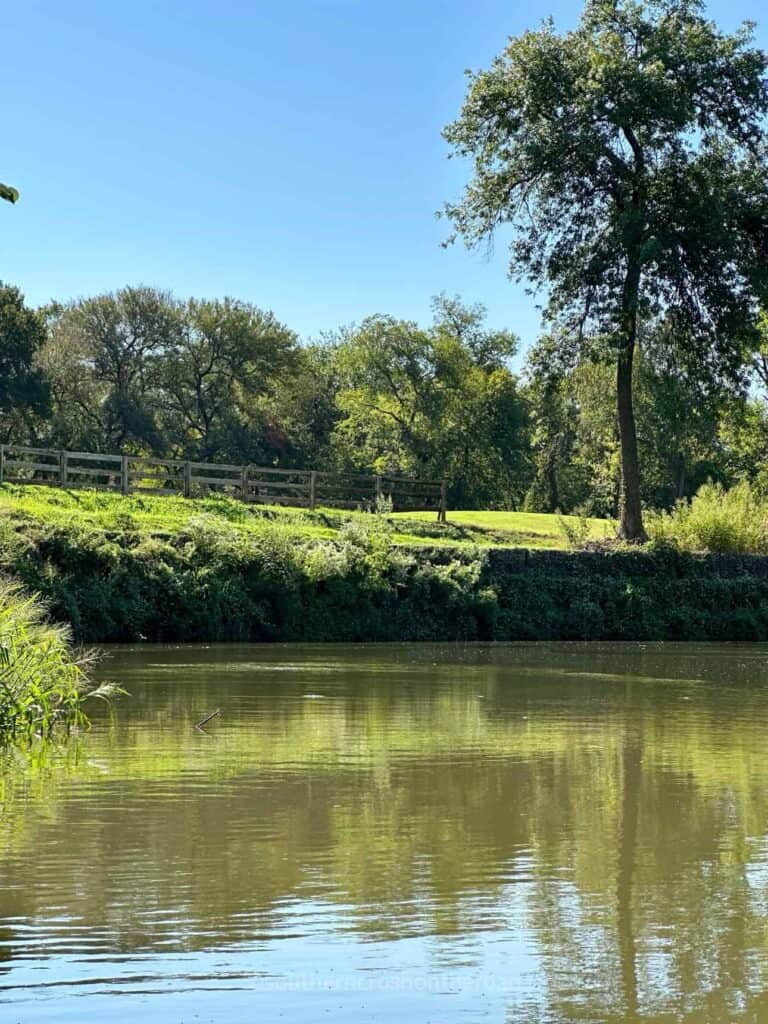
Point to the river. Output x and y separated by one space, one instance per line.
507 833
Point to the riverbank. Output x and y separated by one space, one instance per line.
211 572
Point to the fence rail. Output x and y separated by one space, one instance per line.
138 474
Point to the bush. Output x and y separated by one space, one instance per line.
577 529
716 520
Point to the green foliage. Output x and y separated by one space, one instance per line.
577 530
215 373
554 420
689 430
679 415
43 681
24 391
223 381
100 360
742 437
731 521
139 370
434 402
9 194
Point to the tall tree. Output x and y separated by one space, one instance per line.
760 355
23 388
554 419
629 157
307 405
103 354
575 438
222 362
435 401
679 412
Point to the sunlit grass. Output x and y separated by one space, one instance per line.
521 529
159 515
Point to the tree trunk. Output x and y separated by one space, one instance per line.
681 479
630 513
631 518
553 493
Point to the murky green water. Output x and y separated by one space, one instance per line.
523 833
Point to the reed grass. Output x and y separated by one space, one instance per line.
44 680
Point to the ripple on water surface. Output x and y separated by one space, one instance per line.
504 833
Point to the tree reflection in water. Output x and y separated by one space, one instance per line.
603 807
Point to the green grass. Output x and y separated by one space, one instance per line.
155 515
518 529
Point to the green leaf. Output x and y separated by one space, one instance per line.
9 193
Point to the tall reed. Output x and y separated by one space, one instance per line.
44 681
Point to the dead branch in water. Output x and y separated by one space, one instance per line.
208 718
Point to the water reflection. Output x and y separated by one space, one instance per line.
522 833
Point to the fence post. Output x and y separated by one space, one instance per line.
443 510
312 489
187 478
125 482
244 483
62 468
2 462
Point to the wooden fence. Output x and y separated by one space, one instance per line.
302 488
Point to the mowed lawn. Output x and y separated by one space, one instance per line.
521 529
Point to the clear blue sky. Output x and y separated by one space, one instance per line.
287 152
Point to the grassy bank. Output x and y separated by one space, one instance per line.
167 516
168 569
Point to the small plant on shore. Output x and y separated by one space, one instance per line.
384 505
731 521
576 529
44 682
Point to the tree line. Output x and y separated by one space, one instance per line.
143 372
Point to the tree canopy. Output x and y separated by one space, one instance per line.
24 391
220 380
435 401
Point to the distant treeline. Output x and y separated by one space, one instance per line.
142 372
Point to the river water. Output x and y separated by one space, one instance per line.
507 833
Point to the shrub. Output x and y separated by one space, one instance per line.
716 520
201 577
576 529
